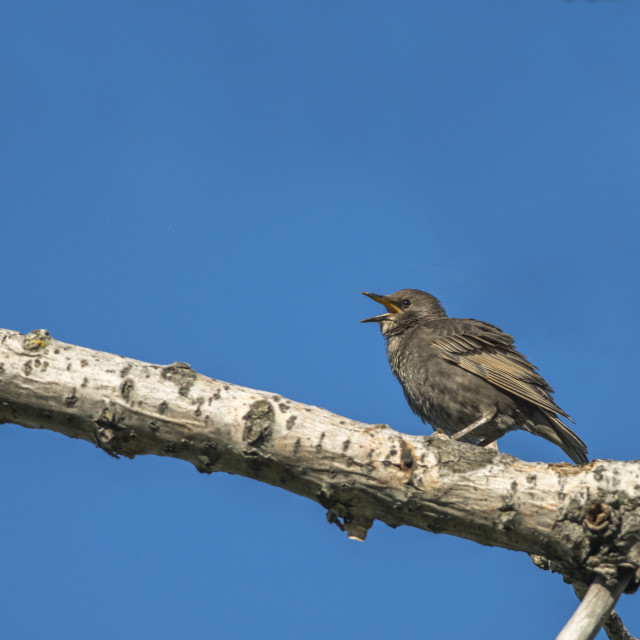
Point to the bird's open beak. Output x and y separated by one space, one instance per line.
389 306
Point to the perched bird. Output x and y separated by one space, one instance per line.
465 377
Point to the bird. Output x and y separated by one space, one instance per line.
465 377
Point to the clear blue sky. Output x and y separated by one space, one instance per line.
215 182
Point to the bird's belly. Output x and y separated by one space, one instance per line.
448 397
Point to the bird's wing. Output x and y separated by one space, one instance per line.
488 352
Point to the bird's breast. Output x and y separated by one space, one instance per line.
439 392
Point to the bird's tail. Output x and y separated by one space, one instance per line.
557 432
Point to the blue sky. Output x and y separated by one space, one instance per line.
215 182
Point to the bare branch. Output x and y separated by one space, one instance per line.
596 606
613 625
585 521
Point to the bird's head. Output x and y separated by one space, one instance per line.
405 308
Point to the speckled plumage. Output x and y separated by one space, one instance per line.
460 372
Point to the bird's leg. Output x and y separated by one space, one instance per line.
487 416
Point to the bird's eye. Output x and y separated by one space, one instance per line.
406 303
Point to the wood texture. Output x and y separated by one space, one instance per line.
585 521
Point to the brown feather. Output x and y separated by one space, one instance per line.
486 351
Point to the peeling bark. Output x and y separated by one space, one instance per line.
583 522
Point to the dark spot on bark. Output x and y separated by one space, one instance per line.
110 435
126 389
169 447
84 363
1 368
258 423
71 398
216 395
182 375
283 407
85 382
69 367
163 406
28 368
276 398
406 457
258 463
290 422
36 340
186 443
319 445
126 370
154 426
296 446
345 445
211 451
286 477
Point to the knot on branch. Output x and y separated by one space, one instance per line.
612 553
258 423
110 435
598 516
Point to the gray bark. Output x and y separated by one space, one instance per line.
583 522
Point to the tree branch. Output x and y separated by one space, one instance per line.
584 520
596 606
